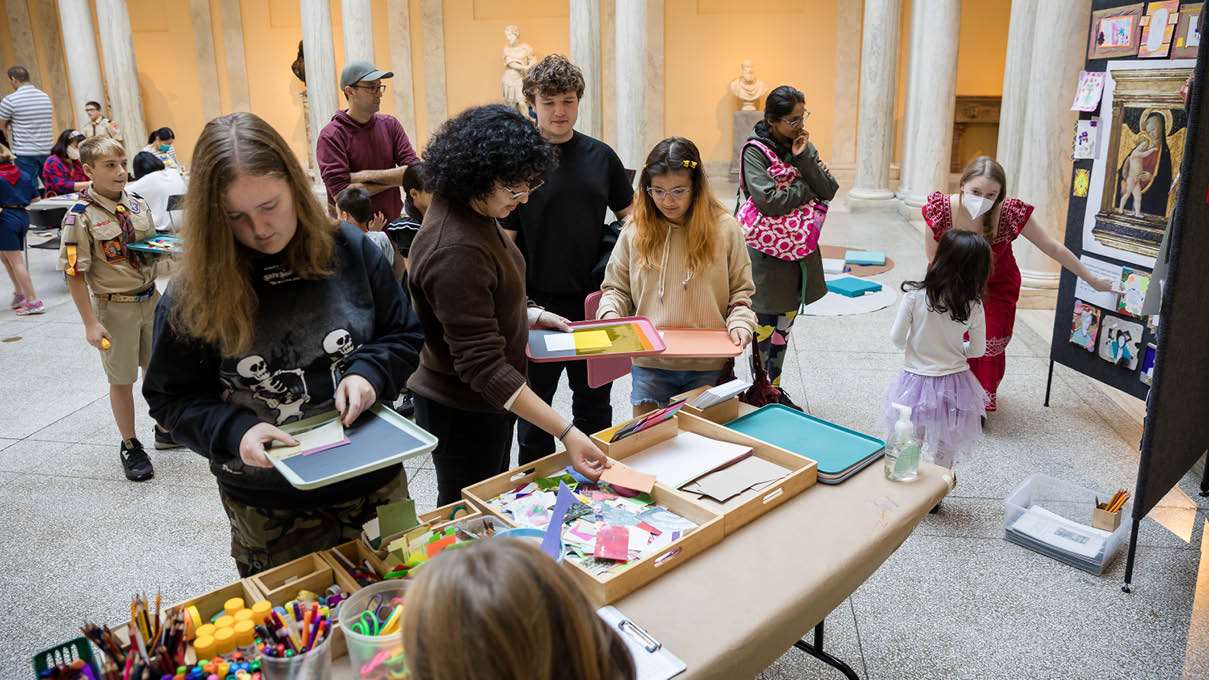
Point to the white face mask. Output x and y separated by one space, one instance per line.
73 153
977 206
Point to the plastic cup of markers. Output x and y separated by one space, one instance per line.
373 655
315 664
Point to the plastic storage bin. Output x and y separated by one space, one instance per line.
1072 502
373 656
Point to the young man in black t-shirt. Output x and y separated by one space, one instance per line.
559 230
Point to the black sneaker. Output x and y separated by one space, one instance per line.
783 399
164 440
406 406
135 462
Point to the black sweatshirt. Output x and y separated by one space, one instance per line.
309 335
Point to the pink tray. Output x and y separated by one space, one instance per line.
644 325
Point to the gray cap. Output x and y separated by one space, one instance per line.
356 71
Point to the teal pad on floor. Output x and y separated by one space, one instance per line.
865 257
852 286
839 452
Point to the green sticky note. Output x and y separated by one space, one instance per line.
395 518
547 483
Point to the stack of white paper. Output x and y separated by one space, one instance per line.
719 394
677 461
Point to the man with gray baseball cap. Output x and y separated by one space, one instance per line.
362 147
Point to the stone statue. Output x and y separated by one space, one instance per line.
747 88
518 57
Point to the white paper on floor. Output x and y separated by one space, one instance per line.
834 304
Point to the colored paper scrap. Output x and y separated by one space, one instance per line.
625 476
560 342
552 541
547 483
592 341
440 544
326 436
613 543
395 518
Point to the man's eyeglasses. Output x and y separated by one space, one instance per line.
379 89
794 122
677 194
523 192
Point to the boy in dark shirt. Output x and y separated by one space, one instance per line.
559 231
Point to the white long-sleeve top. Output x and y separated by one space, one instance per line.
933 342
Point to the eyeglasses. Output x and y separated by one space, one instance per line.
523 192
794 122
379 89
677 194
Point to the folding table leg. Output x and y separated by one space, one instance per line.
816 650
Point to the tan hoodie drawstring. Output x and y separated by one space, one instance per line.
688 274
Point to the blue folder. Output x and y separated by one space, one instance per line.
873 257
852 286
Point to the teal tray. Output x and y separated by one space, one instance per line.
839 452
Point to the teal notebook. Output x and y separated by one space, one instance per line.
852 286
839 452
873 257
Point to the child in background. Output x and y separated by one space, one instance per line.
17 189
416 197
353 206
681 262
113 288
947 402
500 609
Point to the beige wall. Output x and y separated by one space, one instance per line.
789 41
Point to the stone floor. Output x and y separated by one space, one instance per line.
955 601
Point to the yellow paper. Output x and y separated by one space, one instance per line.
590 341
323 436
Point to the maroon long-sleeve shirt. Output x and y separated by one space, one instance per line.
346 146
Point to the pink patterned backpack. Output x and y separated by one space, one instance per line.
791 236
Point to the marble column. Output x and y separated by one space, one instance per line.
121 73
847 77
639 57
357 19
931 96
83 59
207 64
21 32
1017 65
237 62
320 57
585 53
608 45
46 18
875 118
1045 162
398 20
432 26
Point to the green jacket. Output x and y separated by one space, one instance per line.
814 182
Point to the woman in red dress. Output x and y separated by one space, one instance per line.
980 206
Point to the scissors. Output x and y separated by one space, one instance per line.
367 624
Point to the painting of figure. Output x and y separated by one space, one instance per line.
1148 166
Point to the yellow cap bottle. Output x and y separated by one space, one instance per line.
206 630
244 615
204 646
260 610
224 640
245 634
233 605
224 621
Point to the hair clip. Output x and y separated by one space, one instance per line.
689 164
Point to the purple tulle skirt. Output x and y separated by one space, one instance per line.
947 412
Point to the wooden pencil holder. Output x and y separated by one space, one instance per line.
1105 520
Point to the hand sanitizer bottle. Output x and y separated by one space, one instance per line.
902 451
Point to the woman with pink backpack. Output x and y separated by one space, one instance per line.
787 188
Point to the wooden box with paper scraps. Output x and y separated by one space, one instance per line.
615 540
309 574
727 472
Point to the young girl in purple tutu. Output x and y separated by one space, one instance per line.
936 315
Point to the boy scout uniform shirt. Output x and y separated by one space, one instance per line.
102 126
92 245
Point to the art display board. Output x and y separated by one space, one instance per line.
1121 199
1147 134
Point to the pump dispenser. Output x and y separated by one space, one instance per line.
903 449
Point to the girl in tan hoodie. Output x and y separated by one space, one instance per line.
681 262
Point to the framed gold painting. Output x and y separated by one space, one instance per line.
1142 160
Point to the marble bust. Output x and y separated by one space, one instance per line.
518 57
747 88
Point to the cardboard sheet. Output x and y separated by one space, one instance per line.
732 480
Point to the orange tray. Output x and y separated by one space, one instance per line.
698 342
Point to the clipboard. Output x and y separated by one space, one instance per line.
538 351
379 438
699 342
160 244
651 660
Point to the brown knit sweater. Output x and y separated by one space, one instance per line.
467 283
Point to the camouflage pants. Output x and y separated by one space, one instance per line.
266 537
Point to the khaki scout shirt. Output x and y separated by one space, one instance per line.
92 245
102 126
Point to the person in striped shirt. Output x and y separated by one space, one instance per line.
27 118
